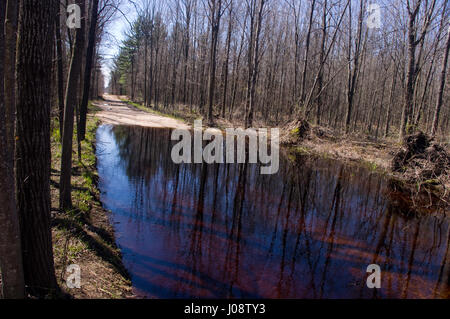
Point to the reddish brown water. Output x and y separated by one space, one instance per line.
225 231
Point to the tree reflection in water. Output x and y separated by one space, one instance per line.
225 231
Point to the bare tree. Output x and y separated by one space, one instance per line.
11 268
413 10
307 46
88 69
65 197
216 11
60 64
256 11
34 73
353 62
188 6
226 62
321 56
276 59
441 86
10 70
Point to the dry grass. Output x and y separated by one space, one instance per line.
305 138
419 169
425 164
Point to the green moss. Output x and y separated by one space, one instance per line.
302 150
431 182
295 131
55 133
372 166
93 108
82 200
410 128
70 249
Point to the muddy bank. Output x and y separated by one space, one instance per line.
418 168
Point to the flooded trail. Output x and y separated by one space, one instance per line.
116 112
225 231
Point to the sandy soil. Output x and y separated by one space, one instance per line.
114 111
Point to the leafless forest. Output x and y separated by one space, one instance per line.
368 69
48 72
339 63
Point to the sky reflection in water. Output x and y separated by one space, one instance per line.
225 231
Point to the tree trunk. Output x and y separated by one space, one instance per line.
145 69
227 60
391 101
60 61
132 78
411 70
353 73
255 65
11 267
187 8
150 82
322 55
296 55
88 69
65 199
236 65
305 63
175 60
10 70
34 73
251 9
216 8
441 86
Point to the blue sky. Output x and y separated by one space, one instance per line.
114 36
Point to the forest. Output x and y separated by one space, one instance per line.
358 89
373 70
48 73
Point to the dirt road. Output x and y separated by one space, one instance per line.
114 111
